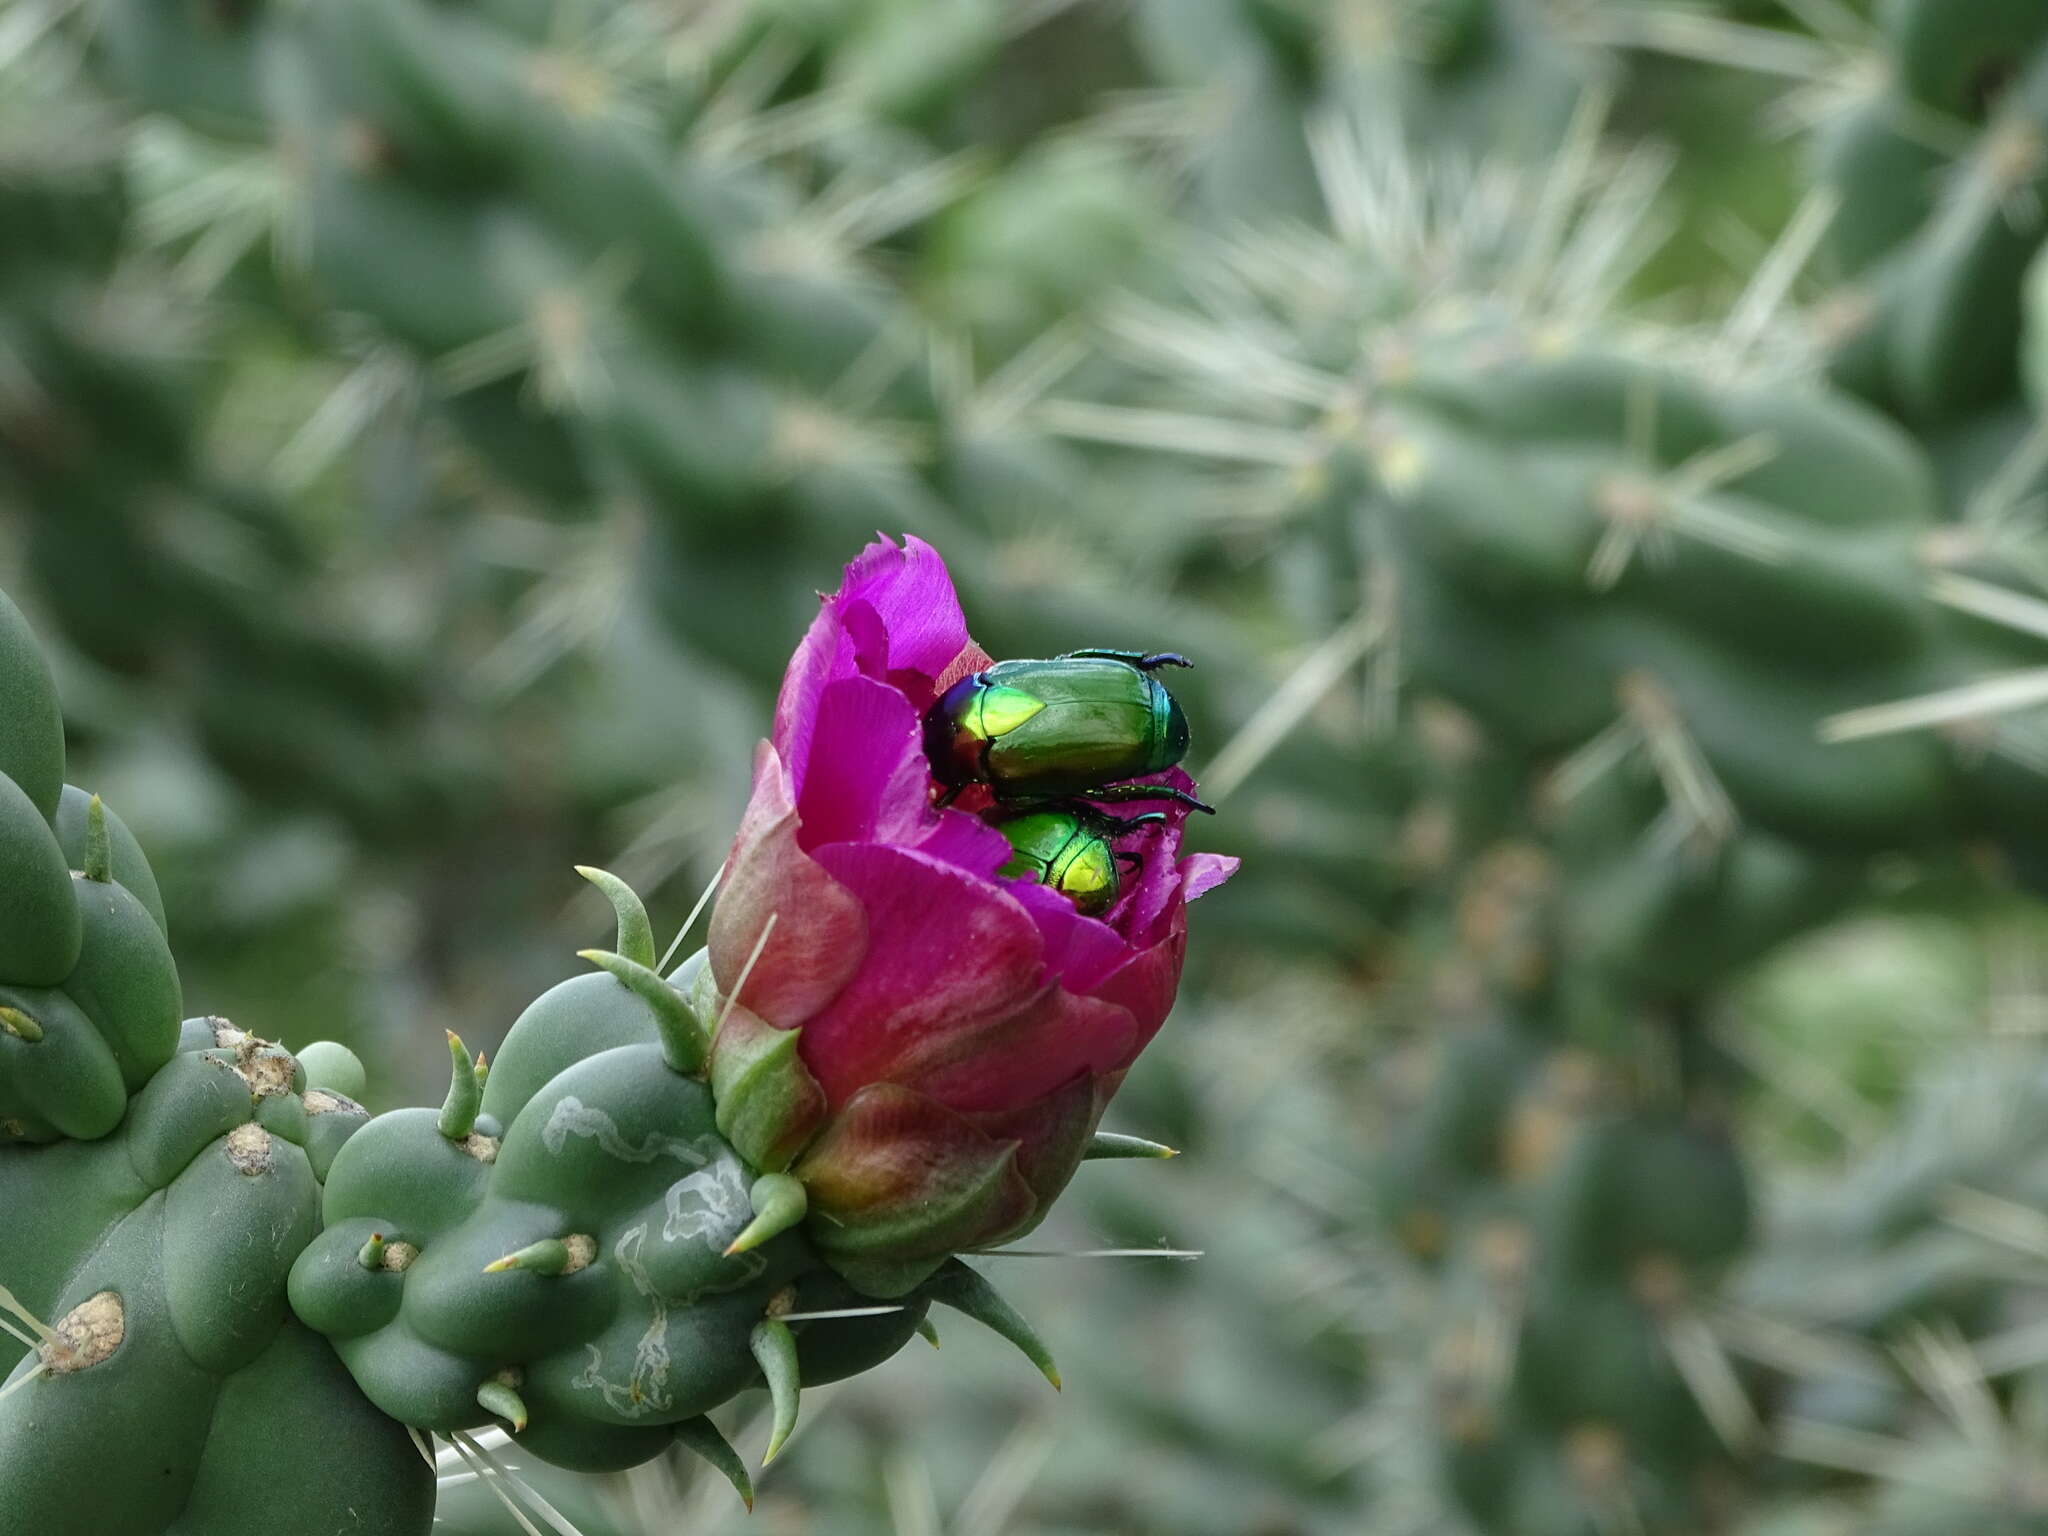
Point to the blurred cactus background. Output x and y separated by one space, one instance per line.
1595 450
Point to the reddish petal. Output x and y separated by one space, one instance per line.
896 1175
1145 986
945 952
1051 1134
819 934
1024 1055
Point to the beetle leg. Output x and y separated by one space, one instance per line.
1144 661
1117 794
1135 860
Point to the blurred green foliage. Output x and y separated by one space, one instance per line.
1584 444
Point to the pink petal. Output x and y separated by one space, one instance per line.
1201 873
1021 1057
868 779
912 594
946 952
1146 985
823 656
820 934
1079 951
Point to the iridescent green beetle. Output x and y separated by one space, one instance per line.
1068 848
1077 724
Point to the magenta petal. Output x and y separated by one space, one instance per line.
968 842
824 656
1201 873
912 594
1145 987
947 951
820 934
868 779
1079 951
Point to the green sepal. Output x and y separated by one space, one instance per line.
779 1203
636 934
774 1348
465 1095
769 1105
18 1024
1105 1144
503 1399
928 1331
958 1287
701 1436
684 1042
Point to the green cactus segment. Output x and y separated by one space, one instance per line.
89 997
650 1329
176 1396
1592 537
32 746
1938 227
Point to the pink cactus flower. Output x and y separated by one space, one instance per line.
927 1045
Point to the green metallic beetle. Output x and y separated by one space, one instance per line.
1077 724
1068 848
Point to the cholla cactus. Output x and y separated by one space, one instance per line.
893 1033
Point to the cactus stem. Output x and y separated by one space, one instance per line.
371 1254
99 853
465 1097
549 1256
779 1204
499 1397
683 1045
958 1287
636 934
482 1070
1106 1144
739 986
18 1024
690 922
928 1331
774 1349
701 1436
